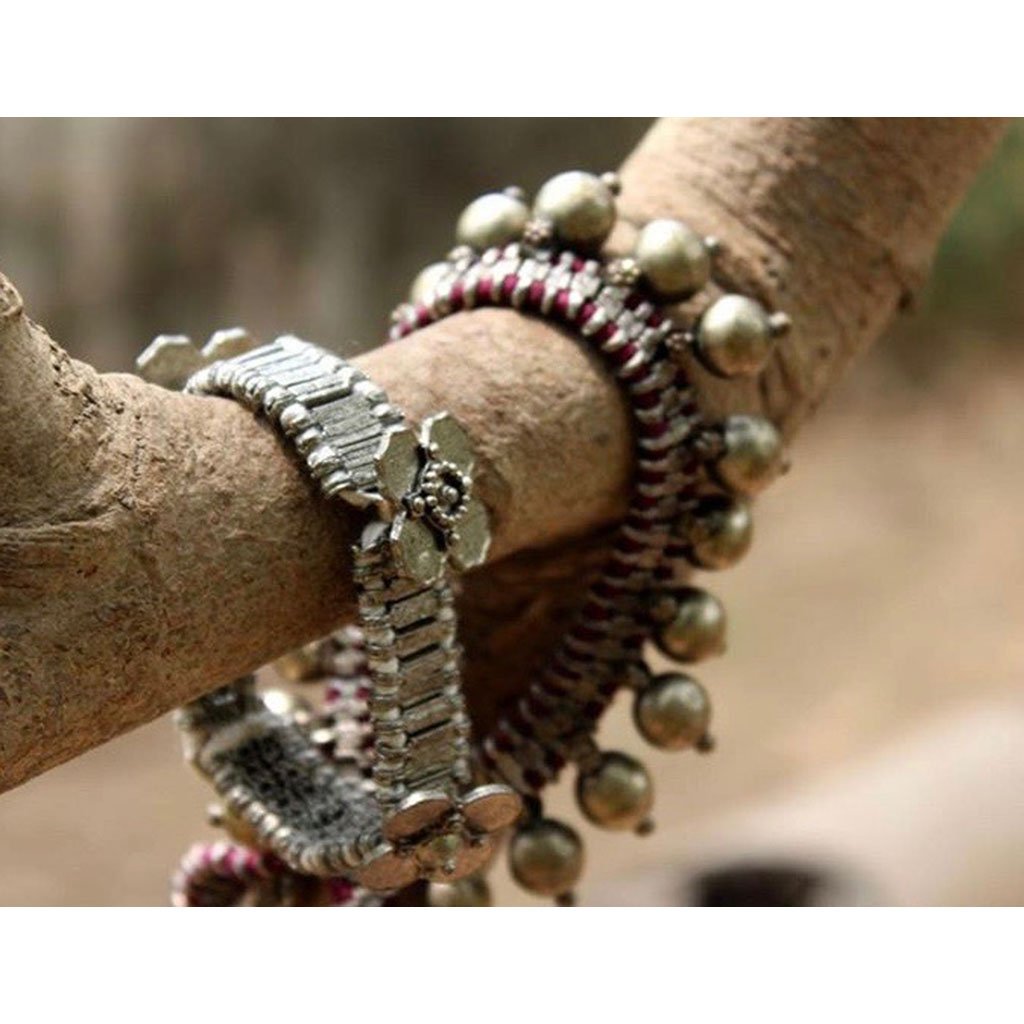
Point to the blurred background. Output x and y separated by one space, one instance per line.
870 714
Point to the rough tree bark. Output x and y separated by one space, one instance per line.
154 545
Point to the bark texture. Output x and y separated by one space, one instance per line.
154 545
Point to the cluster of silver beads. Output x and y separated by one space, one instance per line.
689 509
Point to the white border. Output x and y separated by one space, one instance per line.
294 966
523 57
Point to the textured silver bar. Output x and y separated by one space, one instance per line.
312 813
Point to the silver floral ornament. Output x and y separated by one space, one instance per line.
441 837
170 359
426 486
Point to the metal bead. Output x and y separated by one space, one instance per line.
753 454
734 337
490 220
426 281
692 624
624 272
546 857
720 532
673 713
539 233
617 793
472 891
581 207
672 258
679 345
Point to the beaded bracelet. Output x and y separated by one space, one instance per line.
688 510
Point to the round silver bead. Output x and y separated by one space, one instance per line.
295 418
753 455
673 259
492 219
691 625
734 337
426 282
673 712
720 532
472 891
617 793
546 857
579 205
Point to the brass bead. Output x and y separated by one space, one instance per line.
673 713
490 220
426 281
720 533
672 258
471 891
695 630
546 857
753 454
734 337
617 793
581 207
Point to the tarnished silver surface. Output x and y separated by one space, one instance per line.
689 509
416 817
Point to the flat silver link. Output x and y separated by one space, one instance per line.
313 813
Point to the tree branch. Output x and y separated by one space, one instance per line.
154 545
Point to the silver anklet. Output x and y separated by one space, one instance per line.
418 815
689 507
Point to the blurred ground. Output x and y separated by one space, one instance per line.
886 586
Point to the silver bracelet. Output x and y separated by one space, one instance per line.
418 816
689 509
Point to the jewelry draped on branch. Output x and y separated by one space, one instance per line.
689 509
